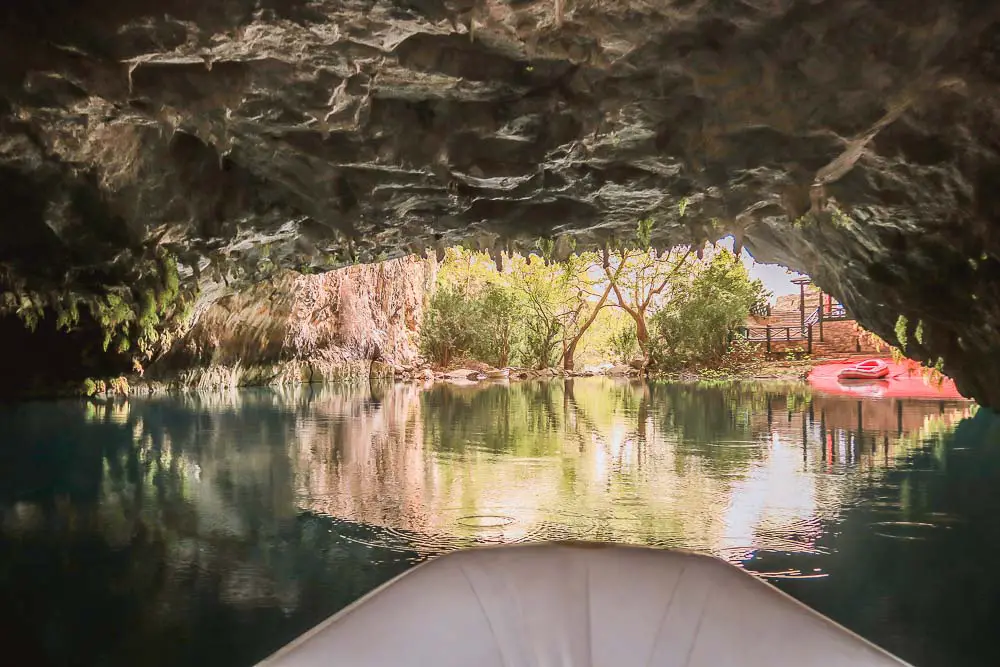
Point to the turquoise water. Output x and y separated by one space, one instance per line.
214 528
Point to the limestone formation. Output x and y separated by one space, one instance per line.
356 322
857 140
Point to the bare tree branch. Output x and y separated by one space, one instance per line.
666 280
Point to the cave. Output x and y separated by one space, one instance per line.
212 194
857 142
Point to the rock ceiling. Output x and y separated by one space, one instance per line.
857 140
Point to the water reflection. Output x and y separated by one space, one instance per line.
728 470
214 528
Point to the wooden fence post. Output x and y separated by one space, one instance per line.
809 341
768 335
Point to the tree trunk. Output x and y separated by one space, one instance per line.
568 354
642 337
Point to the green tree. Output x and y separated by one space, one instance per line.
544 290
694 327
679 306
498 325
447 331
584 281
622 344
643 279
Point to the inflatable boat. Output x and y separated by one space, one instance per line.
870 369
578 605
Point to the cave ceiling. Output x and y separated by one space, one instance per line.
855 140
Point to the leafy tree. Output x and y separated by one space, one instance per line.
622 344
694 326
583 281
544 290
641 280
498 325
675 307
446 331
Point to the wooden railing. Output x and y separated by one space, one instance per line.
835 313
761 334
769 335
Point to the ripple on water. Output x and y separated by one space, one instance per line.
791 574
788 545
905 530
470 530
485 520
404 544
736 443
884 504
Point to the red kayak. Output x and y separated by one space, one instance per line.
870 369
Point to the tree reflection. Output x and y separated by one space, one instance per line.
216 527
919 552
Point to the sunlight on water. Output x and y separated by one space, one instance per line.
601 460
240 519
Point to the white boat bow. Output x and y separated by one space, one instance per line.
578 605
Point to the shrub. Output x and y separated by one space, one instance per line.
623 344
497 327
695 327
448 327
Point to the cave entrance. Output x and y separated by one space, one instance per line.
676 309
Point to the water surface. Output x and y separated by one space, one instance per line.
214 528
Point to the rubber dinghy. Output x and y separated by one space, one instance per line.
870 369
578 605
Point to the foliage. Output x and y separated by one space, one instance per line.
694 327
643 280
538 313
497 312
545 294
133 315
531 314
622 344
644 233
447 328
95 387
900 331
795 352
119 386
30 309
92 387
741 357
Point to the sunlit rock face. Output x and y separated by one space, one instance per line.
856 140
298 328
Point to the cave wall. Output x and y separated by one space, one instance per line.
296 328
855 140
48 360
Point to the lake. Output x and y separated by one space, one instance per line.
214 528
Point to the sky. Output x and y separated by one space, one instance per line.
775 277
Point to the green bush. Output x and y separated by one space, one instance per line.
694 328
448 327
497 328
623 345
